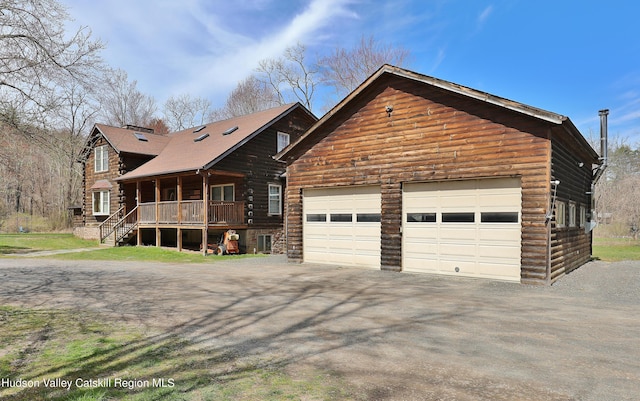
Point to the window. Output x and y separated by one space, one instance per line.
421 217
342 217
315 218
583 216
283 140
101 203
223 193
275 199
368 217
561 214
458 217
499 217
572 214
101 158
264 243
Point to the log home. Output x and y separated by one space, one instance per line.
185 189
417 174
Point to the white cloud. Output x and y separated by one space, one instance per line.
190 47
484 15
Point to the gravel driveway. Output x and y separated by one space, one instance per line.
392 336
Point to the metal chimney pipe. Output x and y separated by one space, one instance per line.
604 153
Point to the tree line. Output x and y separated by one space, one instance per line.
54 85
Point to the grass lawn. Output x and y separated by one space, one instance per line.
616 249
21 243
148 253
105 360
24 243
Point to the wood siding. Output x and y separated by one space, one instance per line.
119 194
255 160
431 135
570 246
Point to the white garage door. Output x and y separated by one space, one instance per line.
342 226
469 228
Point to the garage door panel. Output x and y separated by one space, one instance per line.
346 240
487 244
458 233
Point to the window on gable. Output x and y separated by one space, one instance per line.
100 203
275 199
101 158
223 193
283 140
561 215
583 216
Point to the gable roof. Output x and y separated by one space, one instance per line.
125 140
307 140
199 148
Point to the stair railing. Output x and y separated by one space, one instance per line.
107 226
127 224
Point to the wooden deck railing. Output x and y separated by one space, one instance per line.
191 212
226 212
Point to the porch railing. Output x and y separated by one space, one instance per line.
226 212
191 212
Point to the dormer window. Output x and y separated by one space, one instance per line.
283 140
101 159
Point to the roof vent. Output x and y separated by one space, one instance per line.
140 136
230 130
201 137
200 128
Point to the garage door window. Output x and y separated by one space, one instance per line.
499 217
421 217
458 217
341 217
315 218
368 217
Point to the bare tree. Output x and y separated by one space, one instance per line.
122 102
251 95
291 76
37 55
184 111
345 69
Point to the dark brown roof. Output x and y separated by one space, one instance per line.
125 140
185 153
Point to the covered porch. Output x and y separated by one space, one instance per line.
189 202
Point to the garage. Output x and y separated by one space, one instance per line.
468 228
342 226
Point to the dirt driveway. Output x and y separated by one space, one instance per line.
391 336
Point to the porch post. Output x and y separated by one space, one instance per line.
139 236
179 197
158 239
205 208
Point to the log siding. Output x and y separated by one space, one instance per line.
431 135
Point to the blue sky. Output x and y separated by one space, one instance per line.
568 57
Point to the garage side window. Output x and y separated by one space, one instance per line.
572 214
561 214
